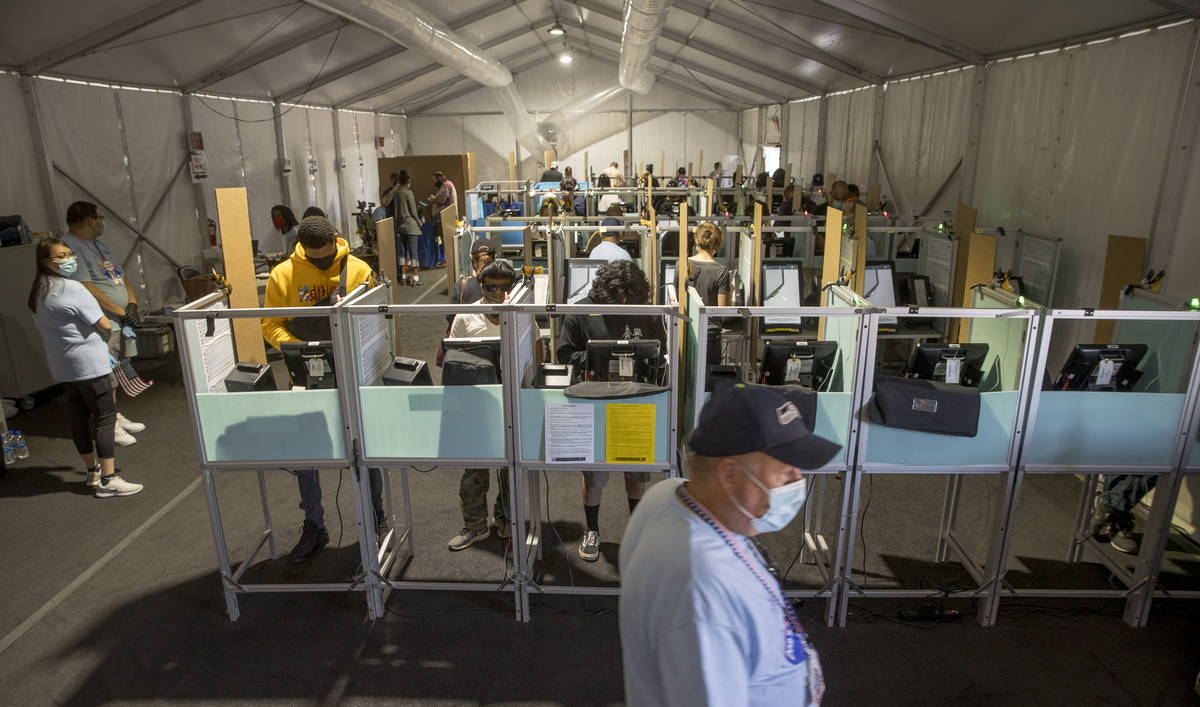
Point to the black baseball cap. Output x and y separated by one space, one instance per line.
742 419
480 247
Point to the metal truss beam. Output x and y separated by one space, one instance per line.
267 53
95 39
907 29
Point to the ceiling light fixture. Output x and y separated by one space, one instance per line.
564 58
557 29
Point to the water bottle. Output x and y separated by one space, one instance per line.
20 448
8 450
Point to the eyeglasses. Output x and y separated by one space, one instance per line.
501 288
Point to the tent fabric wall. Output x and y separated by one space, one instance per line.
848 135
803 119
1180 281
21 189
924 136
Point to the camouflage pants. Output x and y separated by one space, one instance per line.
473 493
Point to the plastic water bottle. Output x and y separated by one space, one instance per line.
8 450
20 448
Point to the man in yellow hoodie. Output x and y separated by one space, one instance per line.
319 272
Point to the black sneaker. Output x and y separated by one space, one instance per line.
312 538
381 530
1124 540
1100 521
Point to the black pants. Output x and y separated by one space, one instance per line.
93 415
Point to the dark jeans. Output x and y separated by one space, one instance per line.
310 495
93 415
1122 493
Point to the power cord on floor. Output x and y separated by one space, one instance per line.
562 546
356 576
862 528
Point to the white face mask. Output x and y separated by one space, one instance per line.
784 503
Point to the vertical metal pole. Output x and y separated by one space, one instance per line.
339 166
218 531
1165 224
285 192
512 377
34 114
270 530
629 133
741 140
876 136
822 132
143 295
974 131
185 102
785 113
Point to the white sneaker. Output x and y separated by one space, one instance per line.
129 425
123 438
93 477
114 486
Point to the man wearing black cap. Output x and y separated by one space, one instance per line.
703 621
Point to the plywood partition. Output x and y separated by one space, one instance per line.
662 162
700 161
547 158
681 286
233 212
980 267
787 175
873 192
449 217
860 245
756 289
386 238
1124 264
512 167
708 201
833 259
457 169
964 226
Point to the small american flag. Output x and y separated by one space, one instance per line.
129 380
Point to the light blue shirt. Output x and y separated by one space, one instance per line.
607 250
66 319
697 626
99 266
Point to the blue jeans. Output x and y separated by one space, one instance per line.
310 494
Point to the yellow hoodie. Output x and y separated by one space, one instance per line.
296 282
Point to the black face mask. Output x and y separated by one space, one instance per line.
322 263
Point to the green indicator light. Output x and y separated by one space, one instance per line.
1196 303
1021 300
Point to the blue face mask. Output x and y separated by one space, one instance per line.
785 502
67 267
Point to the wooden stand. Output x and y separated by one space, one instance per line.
1124 264
233 212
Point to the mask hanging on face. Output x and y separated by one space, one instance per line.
784 503
67 267
837 204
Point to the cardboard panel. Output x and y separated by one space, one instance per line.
385 233
978 256
1124 264
873 196
449 218
860 245
964 226
233 212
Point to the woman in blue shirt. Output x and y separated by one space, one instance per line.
75 333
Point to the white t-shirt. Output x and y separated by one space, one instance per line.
472 325
606 201
698 627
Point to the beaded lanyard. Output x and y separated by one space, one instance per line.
816 678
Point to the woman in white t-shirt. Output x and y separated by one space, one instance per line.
75 333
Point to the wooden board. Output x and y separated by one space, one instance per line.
757 265
547 158
833 259
386 238
964 226
421 169
860 245
1124 264
708 201
233 213
449 218
980 267
512 167
873 191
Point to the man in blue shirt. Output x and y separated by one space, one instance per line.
703 621
100 272
609 248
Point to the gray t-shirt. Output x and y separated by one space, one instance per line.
66 319
99 266
709 279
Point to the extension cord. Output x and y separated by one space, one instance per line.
930 613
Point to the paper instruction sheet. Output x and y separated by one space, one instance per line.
570 433
629 433
216 352
374 347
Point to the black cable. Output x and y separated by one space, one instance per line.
294 104
862 530
356 576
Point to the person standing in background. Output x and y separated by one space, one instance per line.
408 230
387 195
102 276
75 333
285 222
445 196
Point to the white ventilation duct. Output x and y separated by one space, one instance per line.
644 21
553 126
407 24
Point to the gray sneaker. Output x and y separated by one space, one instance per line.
1124 540
468 537
589 548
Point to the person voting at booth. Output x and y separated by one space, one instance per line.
620 282
609 248
710 278
496 280
703 619
319 273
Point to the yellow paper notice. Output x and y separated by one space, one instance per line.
629 433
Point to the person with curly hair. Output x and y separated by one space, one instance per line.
619 282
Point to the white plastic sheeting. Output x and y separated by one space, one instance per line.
924 136
803 118
21 189
848 135
1181 267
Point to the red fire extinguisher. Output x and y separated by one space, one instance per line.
212 232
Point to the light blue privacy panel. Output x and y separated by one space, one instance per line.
453 422
1194 457
1169 346
888 445
1098 428
533 421
843 330
271 425
1005 338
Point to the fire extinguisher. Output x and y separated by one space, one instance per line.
212 232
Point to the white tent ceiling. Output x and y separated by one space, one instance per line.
735 52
